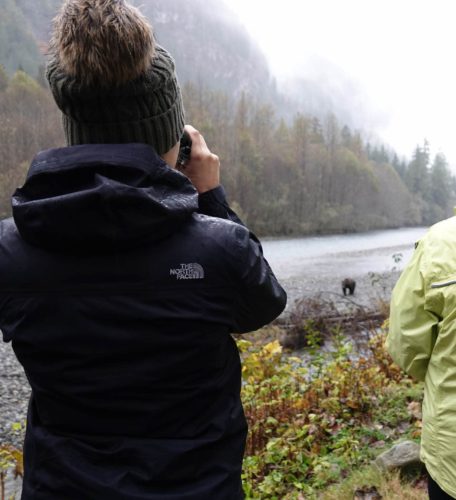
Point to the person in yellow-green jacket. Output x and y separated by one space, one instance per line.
422 340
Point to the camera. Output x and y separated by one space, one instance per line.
185 150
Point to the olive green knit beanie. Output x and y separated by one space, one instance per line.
110 79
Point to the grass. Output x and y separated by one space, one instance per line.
390 486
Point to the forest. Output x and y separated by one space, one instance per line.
296 177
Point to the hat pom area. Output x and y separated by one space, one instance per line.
102 43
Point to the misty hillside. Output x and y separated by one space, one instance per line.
39 14
211 47
18 44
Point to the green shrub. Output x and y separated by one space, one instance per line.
311 422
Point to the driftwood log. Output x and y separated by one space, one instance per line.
326 317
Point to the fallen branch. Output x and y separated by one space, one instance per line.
326 318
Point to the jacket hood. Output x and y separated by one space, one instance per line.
101 197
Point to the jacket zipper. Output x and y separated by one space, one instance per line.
443 284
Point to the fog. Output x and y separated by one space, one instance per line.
388 64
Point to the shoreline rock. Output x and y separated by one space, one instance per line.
399 456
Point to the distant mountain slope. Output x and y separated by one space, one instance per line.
39 14
209 44
18 47
212 49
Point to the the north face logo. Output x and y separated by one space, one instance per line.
188 272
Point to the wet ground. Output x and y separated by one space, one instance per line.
324 280
315 266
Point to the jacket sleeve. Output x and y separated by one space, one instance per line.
260 298
413 323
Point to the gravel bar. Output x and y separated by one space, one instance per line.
14 396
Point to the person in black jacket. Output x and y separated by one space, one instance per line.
123 278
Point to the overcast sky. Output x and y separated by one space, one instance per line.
400 53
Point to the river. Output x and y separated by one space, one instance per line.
317 264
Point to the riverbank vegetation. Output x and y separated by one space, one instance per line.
318 420
293 177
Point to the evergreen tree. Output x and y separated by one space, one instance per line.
440 188
346 137
3 78
417 178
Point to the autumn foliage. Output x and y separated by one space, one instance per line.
311 418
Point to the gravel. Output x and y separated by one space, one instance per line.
371 290
14 396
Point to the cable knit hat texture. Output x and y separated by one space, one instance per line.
110 79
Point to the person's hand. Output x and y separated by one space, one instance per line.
203 167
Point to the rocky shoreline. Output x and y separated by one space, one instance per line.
14 396
372 289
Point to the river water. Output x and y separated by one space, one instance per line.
312 265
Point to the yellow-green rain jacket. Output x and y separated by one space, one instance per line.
422 340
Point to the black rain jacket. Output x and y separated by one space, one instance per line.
119 291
